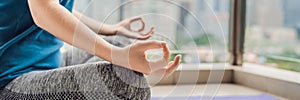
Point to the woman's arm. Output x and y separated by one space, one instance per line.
95 25
54 18
122 28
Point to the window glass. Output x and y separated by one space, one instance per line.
196 29
273 33
101 10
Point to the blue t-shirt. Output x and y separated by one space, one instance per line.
24 47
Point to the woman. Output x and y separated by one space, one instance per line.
30 39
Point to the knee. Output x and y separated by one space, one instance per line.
125 83
142 94
136 85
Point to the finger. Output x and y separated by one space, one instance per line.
143 26
166 52
163 62
145 37
138 18
135 19
148 35
173 65
152 30
151 44
157 65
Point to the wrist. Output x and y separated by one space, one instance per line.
117 29
120 56
108 29
114 29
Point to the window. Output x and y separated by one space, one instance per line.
273 33
99 9
197 29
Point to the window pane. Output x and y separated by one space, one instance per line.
101 10
272 33
197 29
193 28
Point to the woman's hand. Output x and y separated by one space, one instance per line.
124 28
133 57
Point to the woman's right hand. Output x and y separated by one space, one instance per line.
134 57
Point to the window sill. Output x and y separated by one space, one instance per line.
272 80
204 66
270 72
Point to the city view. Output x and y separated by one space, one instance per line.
272 33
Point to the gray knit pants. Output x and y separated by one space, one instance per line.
84 77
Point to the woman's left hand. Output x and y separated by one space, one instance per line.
124 28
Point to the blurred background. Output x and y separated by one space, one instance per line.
199 30
194 28
272 31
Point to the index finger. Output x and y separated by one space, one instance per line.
152 44
146 36
143 26
166 52
135 19
138 19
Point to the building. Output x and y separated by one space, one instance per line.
265 13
